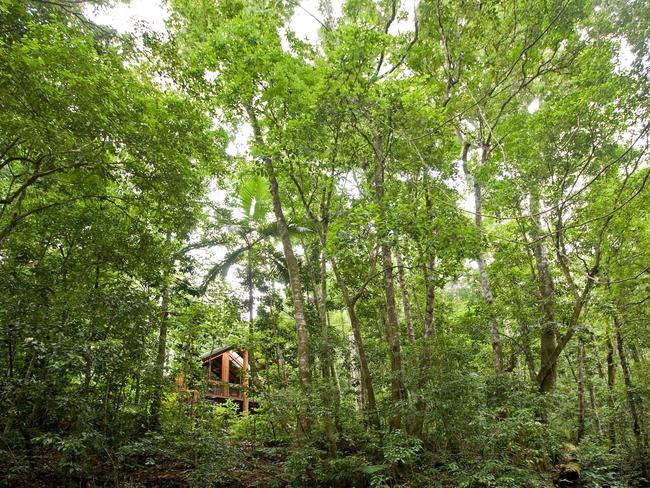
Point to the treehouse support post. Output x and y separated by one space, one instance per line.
225 372
245 402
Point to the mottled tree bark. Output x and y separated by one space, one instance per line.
429 304
329 394
581 391
392 322
295 281
634 402
161 357
406 303
366 380
486 287
611 380
548 342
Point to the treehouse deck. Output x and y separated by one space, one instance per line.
227 373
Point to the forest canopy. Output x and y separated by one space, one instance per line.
411 248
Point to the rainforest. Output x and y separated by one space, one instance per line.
325 243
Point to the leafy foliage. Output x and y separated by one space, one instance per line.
434 248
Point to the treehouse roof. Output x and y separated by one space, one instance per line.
216 353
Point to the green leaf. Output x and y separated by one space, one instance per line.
255 198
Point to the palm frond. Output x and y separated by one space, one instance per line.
255 197
222 267
271 230
204 243
279 265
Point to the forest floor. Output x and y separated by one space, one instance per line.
241 464
259 472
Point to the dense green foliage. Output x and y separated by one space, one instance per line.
435 246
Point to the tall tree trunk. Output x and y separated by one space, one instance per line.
429 304
611 379
302 332
486 287
528 354
633 401
548 343
581 391
364 370
295 281
248 357
355 374
416 424
328 390
329 394
161 357
406 303
366 379
392 322
594 401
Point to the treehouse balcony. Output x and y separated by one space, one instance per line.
227 372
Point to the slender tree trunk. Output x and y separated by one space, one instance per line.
392 322
161 357
596 355
548 342
611 379
406 303
337 391
392 329
416 424
588 379
328 389
355 374
329 394
429 304
248 357
530 362
581 391
295 281
634 402
366 379
486 287
364 370
594 402
302 332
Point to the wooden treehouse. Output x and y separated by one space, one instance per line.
228 373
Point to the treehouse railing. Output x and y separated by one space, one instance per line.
224 390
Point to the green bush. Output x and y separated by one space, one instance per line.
400 448
303 467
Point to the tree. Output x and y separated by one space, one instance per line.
457 249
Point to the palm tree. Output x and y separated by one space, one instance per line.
250 230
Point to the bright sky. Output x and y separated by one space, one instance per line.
131 17
127 17
138 14
151 14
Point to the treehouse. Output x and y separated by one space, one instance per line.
227 372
